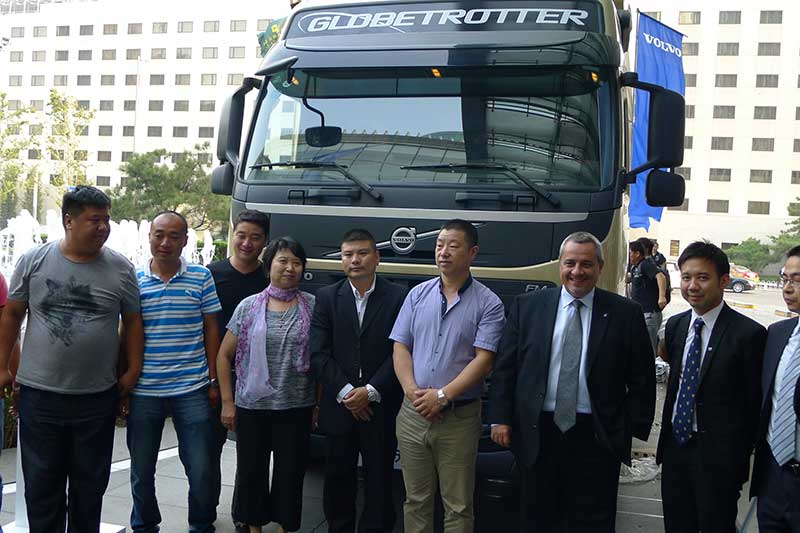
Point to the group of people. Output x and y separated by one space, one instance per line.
377 368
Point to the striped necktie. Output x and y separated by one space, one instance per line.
565 413
781 434
690 379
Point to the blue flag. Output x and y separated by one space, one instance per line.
659 61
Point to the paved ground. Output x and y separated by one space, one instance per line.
639 504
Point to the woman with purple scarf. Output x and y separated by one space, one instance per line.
267 341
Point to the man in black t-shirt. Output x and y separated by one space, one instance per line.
648 288
658 257
236 278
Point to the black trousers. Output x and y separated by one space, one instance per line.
778 497
66 440
572 487
693 499
285 434
377 443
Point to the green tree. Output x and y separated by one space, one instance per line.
67 122
152 186
13 169
751 253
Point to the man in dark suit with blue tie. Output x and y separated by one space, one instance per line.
713 395
776 471
574 380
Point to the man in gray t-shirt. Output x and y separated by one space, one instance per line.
74 292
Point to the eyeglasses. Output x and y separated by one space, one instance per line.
789 282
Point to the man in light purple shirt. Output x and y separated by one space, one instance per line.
446 336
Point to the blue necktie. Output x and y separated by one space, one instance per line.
781 435
684 413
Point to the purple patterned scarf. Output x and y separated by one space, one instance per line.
252 383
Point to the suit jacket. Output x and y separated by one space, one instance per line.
341 351
777 336
620 372
728 395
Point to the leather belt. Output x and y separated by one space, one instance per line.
460 403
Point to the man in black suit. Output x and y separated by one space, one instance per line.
776 472
351 354
573 381
711 409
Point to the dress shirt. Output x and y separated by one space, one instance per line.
361 308
709 319
556 349
791 345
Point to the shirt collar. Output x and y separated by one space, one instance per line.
566 298
710 318
148 272
463 288
366 294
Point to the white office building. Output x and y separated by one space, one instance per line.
742 159
155 72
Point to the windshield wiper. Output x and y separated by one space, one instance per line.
366 187
455 167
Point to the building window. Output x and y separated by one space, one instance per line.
689 111
760 176
236 52
262 24
156 79
210 52
796 145
727 49
769 49
730 17
238 25
129 105
205 132
182 79
207 105
33 153
84 55
795 177
204 159
15 81
758 208
37 80
155 105
104 155
109 54
719 174
135 28
208 79
724 111
107 79
84 104
211 26
653 14
62 31
685 172
14 105
722 143
797 113
103 181
688 142
60 80
689 17
763 144
766 80
158 53
38 55
183 53
15 56
683 207
40 31
17 32
105 131
37 105
109 29
131 79
185 26
177 157
690 49
691 80
133 53
35 129
87 29
771 17
765 112
126 156
180 131
180 105
106 105
717 206
235 79
725 80
159 27
127 131
154 131
62 55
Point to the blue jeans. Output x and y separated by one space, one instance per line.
191 415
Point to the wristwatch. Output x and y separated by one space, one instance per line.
442 398
213 382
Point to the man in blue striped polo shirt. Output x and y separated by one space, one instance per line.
179 376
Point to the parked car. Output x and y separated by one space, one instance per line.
674 275
742 279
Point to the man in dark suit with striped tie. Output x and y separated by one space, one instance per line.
713 395
776 472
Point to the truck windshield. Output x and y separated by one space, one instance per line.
419 126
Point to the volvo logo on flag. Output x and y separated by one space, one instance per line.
658 43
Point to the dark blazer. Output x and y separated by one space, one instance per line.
620 372
728 396
777 336
340 349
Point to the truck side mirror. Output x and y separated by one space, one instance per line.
222 179
230 136
665 189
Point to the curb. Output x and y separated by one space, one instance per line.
784 313
734 303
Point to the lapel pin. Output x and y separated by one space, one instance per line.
605 315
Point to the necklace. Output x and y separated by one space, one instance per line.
282 318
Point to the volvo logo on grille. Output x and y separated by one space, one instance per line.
403 240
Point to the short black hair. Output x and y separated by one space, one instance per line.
648 245
283 243
175 214
359 234
708 251
76 199
464 227
636 246
794 251
253 217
